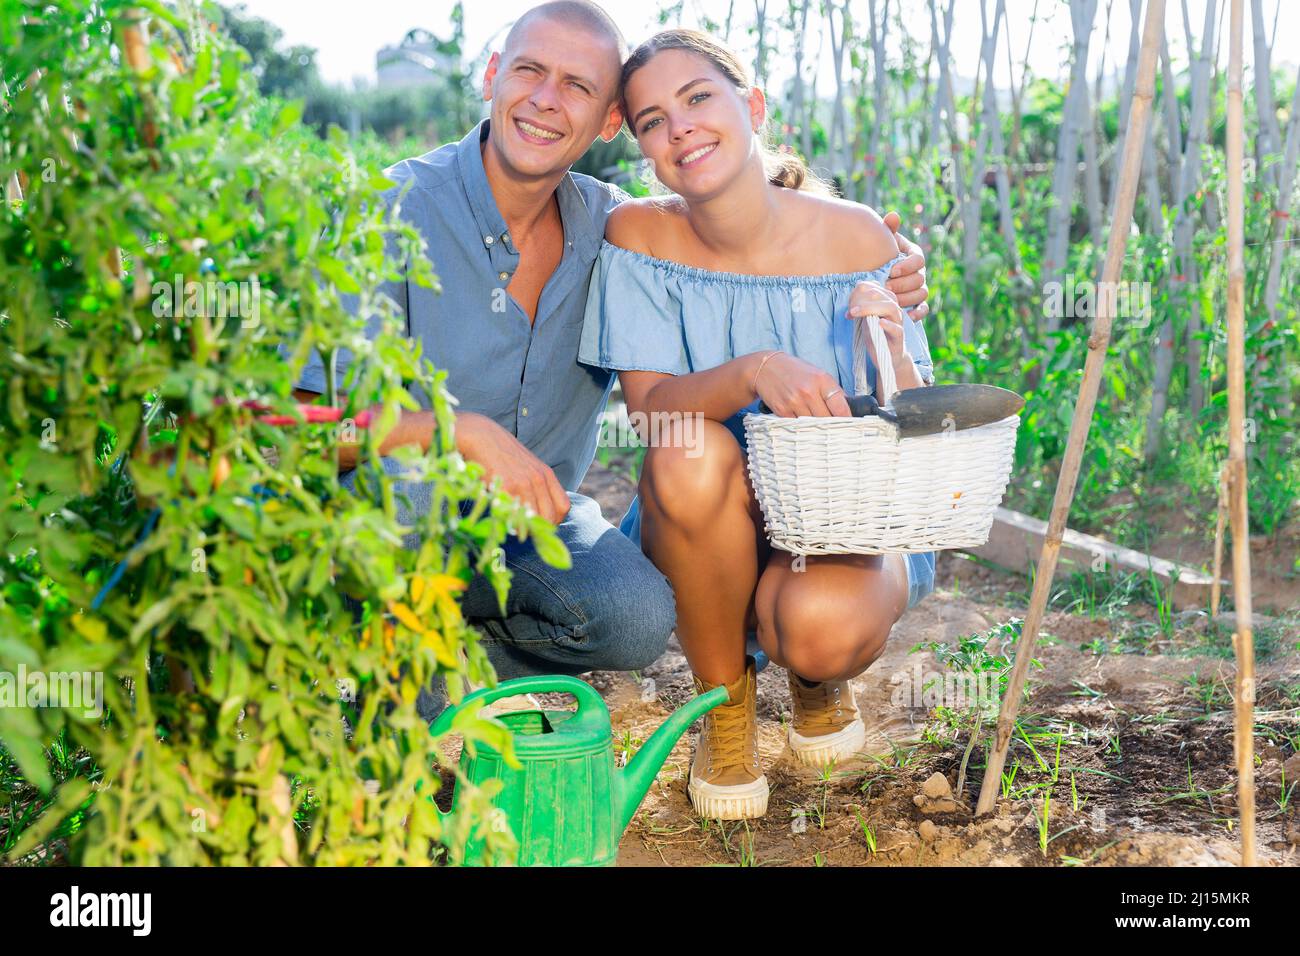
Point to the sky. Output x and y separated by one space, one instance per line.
347 33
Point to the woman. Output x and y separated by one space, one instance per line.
739 288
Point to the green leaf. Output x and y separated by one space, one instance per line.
336 273
548 544
72 795
290 115
321 569
155 614
21 733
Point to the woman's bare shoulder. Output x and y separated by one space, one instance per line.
855 238
642 225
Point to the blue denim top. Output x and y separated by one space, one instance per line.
655 315
525 377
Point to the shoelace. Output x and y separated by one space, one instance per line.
819 707
730 748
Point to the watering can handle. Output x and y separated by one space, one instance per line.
541 684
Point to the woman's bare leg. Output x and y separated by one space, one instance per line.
830 620
701 527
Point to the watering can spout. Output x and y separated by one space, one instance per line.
634 780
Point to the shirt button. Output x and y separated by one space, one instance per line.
504 276
524 411
505 237
488 240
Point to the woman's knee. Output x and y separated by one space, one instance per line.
691 472
819 637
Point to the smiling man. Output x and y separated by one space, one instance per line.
513 236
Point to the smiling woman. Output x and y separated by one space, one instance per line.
736 290
717 68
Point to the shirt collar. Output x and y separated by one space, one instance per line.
579 229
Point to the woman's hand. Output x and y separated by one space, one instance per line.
871 298
792 387
907 277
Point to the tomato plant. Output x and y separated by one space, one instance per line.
165 270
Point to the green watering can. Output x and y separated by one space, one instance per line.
566 803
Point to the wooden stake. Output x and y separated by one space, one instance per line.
135 46
1126 194
14 185
1243 642
1215 588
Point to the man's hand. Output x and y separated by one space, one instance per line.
907 278
523 475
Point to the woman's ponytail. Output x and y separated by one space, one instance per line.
788 170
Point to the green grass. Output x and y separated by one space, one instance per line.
22 805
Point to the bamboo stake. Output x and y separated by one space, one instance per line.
1270 133
1065 173
760 27
1243 642
837 137
1091 167
1126 96
1188 175
1219 520
1017 95
1282 214
1139 115
13 188
881 119
971 210
993 123
135 48
1195 396
797 117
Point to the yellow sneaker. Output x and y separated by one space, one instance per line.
827 725
726 781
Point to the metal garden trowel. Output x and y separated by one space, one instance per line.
938 408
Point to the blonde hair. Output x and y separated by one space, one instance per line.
785 169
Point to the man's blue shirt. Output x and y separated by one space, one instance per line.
526 378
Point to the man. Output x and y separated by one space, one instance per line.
513 236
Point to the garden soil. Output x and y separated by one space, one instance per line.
1144 774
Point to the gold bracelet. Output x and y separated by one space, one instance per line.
770 355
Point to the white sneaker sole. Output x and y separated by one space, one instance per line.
739 802
828 748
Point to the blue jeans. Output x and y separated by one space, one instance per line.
612 610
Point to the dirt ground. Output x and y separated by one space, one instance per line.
1183 531
1135 749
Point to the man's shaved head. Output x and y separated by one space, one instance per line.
576 13
553 89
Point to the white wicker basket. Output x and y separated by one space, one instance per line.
852 486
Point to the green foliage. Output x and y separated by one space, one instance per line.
249 717
279 72
971 657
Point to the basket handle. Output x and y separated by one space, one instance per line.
885 378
